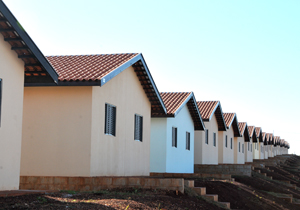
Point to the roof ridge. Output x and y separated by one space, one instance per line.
92 54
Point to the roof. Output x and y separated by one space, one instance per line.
97 70
175 101
258 132
208 109
264 137
277 140
231 119
37 68
252 133
243 127
271 138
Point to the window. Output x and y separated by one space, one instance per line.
248 146
110 119
138 127
215 139
226 141
243 148
174 137
0 98
251 147
188 141
230 143
206 136
239 146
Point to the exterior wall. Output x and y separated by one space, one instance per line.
270 151
120 155
261 151
226 154
158 145
239 156
255 152
180 160
207 153
56 131
266 156
248 151
12 75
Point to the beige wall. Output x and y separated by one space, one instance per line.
270 151
56 131
248 152
12 75
226 154
120 155
206 153
266 152
255 148
239 156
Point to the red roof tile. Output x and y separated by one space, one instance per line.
207 108
251 129
173 101
242 126
87 67
228 117
258 131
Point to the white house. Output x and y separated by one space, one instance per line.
270 145
20 61
265 144
258 148
172 135
239 152
227 139
206 143
249 145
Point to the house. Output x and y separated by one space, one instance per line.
276 145
227 139
95 122
172 135
18 56
239 152
257 145
206 143
249 145
270 145
265 144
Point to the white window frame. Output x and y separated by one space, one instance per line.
138 127
188 141
215 139
174 136
110 119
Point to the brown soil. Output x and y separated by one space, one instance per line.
108 199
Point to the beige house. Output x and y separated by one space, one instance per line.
265 144
18 55
258 146
95 122
270 145
249 145
227 139
206 142
239 145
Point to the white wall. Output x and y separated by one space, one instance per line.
12 75
255 152
248 152
266 156
207 153
226 154
261 150
270 149
239 155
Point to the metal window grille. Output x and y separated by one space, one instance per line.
206 136
251 147
230 143
248 146
226 141
138 127
215 139
110 119
239 146
174 137
243 148
188 141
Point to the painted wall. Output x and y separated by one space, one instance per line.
180 160
226 154
261 150
266 156
56 137
120 155
207 153
12 75
249 151
239 155
270 149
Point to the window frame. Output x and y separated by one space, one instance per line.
206 136
138 127
243 148
231 146
174 136
226 141
188 141
239 146
215 139
110 120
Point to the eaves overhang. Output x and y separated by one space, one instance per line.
37 68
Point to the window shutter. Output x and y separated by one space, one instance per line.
206 136
138 128
110 119
188 141
174 137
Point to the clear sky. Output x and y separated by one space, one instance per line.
244 53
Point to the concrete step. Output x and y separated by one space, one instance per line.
189 183
213 197
264 174
225 204
200 190
270 177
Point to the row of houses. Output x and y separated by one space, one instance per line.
102 115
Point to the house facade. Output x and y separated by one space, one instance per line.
98 119
240 144
249 145
265 144
206 143
227 139
270 145
259 148
172 136
17 52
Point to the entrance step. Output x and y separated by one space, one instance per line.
189 183
213 197
200 190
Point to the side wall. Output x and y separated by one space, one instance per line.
266 151
239 155
120 155
179 159
12 75
255 152
248 151
56 131
226 153
207 153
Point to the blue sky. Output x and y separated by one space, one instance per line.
243 53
